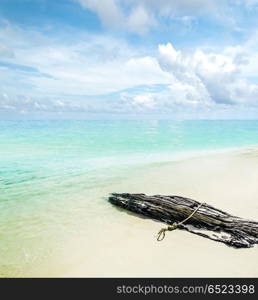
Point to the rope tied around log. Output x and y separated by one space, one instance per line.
162 233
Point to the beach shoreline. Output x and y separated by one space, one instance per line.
225 180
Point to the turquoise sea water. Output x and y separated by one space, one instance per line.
54 175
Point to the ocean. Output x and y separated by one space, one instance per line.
55 177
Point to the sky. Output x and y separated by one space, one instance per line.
193 59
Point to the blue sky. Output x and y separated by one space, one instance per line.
179 59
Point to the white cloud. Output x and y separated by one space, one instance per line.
188 81
146 100
168 8
5 51
141 16
90 65
212 76
107 10
112 15
52 73
201 79
140 20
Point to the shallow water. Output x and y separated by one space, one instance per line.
55 177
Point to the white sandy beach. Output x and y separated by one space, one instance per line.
124 245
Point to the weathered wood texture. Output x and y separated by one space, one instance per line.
208 221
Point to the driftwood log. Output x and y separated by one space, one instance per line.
208 221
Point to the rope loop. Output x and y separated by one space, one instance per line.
162 233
